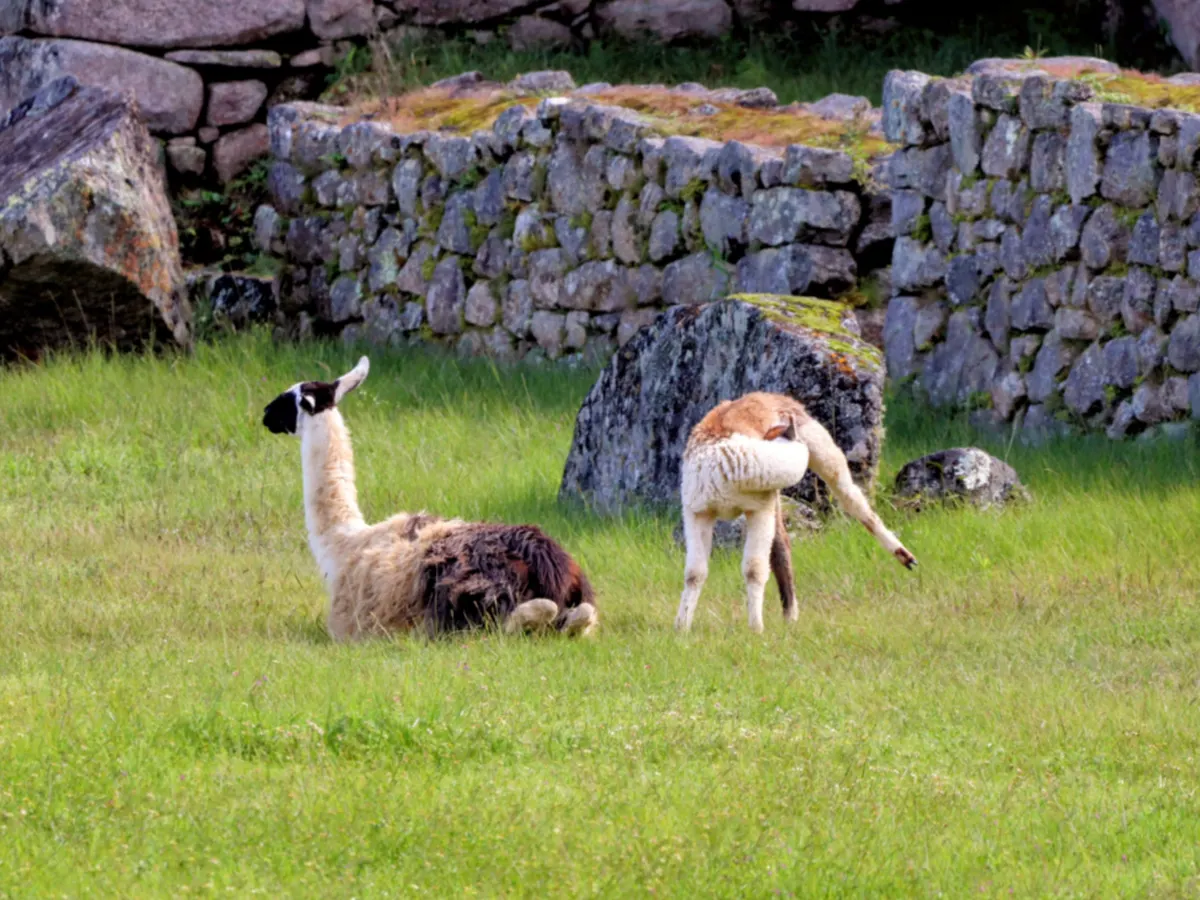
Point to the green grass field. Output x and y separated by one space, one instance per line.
1017 718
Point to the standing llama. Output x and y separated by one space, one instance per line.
414 569
737 460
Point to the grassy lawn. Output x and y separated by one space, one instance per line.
1017 718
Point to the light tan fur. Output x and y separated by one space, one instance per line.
373 572
737 460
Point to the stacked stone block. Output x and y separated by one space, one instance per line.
561 230
1046 267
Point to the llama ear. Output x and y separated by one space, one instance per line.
351 380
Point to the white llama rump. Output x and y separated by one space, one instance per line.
416 570
737 460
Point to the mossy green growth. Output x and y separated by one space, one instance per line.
583 220
693 191
922 229
427 268
822 317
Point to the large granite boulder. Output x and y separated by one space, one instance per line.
169 96
631 430
963 474
88 247
666 20
161 23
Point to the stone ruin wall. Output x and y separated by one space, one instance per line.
560 231
1046 267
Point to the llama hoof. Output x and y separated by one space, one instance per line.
906 559
531 615
580 621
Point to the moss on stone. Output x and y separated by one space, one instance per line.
820 317
1142 89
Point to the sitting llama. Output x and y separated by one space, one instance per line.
737 460
413 569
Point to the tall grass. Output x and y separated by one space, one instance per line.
1017 718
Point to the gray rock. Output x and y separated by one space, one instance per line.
235 151
960 367
1065 227
907 209
1178 196
967 197
1048 165
694 279
1083 158
1007 393
1121 366
88 245
1129 176
816 167
1172 248
411 278
962 475
1040 105
776 270
406 185
384 259
598 286
902 122
965 133
488 201
1012 255
1084 389
552 81
997 319
667 21
575 185
546 271
831 267
1052 360
446 297
627 245
531 231
1006 150
454 231
621 173
350 252
520 177
549 330
1123 420
1183 351
899 347
285 184
780 215
480 307
1194 394
630 432
452 156
572 238
1137 301
1037 243
723 220
1104 239
1148 406
517 310
1104 296
651 198
1031 309
915 265
1151 351
930 325
926 170
1143 245
1175 393
1058 286
962 280
664 236
1076 324
492 258
942 226
345 299
689 161
268 230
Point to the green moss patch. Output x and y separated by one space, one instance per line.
821 318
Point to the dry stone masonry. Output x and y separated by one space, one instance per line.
1046 267
562 228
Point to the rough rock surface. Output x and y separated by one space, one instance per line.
964 474
632 428
667 20
169 96
160 23
88 246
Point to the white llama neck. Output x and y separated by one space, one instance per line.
330 497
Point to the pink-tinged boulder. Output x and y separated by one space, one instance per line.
666 20
169 96
335 19
455 12
234 152
88 246
1183 20
235 102
167 23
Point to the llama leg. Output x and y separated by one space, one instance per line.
760 534
697 536
531 615
580 621
781 566
828 461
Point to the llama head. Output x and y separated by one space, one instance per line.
287 412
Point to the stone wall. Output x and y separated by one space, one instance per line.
561 229
1046 267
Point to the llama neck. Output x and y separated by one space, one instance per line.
330 497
